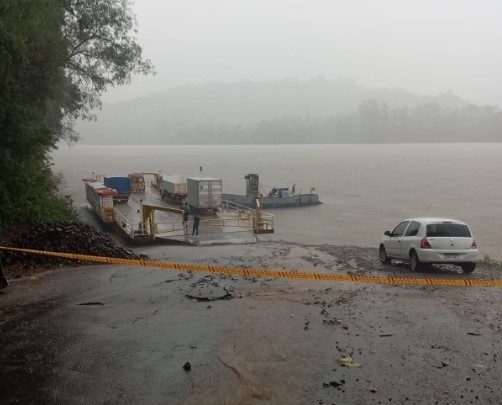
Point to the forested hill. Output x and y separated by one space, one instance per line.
291 111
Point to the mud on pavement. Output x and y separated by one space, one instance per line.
249 340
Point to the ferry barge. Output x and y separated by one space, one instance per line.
278 197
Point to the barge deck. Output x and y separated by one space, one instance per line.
147 217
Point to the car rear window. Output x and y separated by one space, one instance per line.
448 230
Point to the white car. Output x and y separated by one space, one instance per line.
428 241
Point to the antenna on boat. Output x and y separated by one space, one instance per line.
427 209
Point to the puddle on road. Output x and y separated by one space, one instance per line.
31 343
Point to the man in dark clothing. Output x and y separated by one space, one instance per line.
195 229
185 219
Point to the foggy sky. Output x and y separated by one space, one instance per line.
425 46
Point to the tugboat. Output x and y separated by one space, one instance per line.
278 197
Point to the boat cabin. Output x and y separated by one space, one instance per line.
279 192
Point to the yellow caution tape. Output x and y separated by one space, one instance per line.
268 273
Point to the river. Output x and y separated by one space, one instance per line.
365 189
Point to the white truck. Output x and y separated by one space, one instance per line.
173 188
205 194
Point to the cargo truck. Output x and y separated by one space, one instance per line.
120 183
173 188
204 194
137 182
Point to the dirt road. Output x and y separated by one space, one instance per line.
114 334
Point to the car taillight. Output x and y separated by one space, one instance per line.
424 243
474 245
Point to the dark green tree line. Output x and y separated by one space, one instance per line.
373 122
57 57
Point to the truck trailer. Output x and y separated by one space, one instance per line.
204 194
173 188
120 183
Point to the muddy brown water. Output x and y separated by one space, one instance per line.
365 189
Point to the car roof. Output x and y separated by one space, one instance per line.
432 220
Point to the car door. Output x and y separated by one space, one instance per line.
409 239
393 244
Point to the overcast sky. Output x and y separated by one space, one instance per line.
425 46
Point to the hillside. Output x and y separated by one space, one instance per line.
231 112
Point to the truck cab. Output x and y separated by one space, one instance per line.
137 182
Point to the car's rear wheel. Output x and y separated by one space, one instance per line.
415 263
468 267
382 254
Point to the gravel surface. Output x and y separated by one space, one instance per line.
68 237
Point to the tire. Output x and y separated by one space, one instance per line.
468 267
382 255
415 263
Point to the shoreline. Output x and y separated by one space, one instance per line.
271 255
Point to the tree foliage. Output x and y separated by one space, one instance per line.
372 122
57 57
102 50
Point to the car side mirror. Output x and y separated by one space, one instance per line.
387 233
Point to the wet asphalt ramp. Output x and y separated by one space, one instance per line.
122 335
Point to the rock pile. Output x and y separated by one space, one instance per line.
68 237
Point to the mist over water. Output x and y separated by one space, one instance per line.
365 189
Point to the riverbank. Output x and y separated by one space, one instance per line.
65 237
80 238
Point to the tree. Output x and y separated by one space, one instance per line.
57 57
371 120
31 53
102 51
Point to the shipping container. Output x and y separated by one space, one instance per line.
173 188
204 194
120 183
